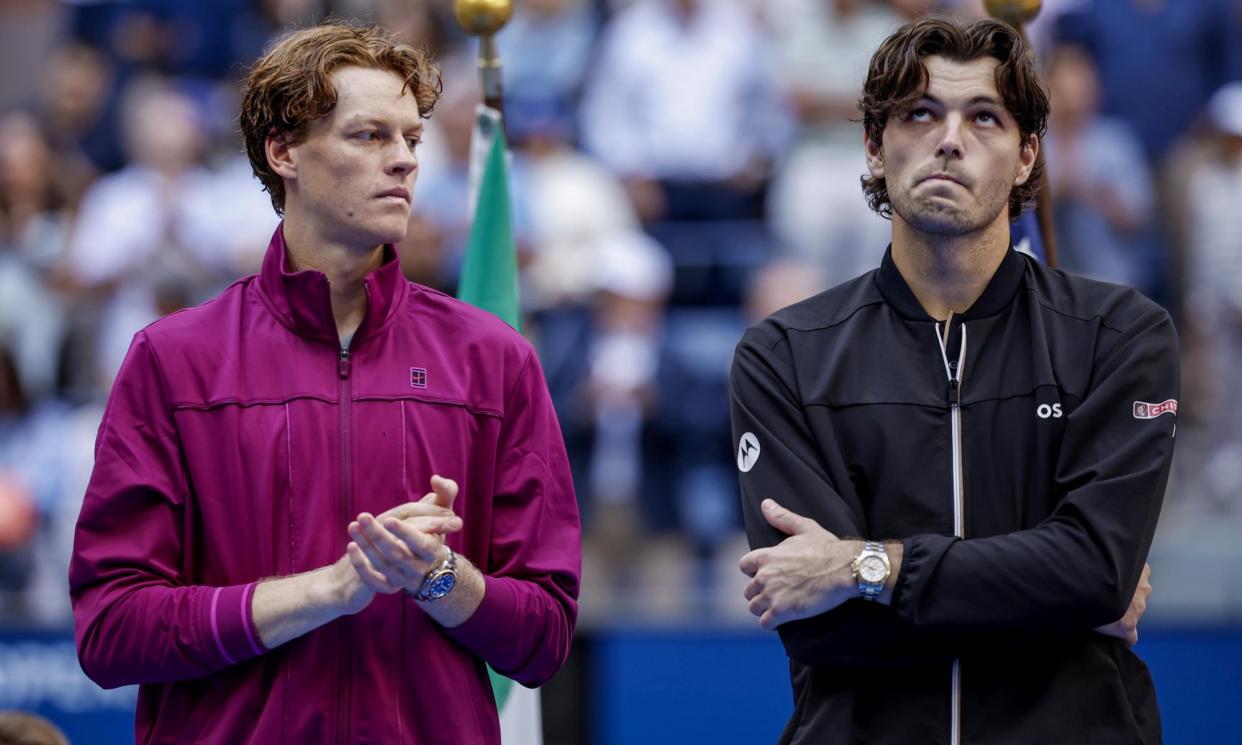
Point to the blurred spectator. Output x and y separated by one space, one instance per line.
822 51
599 286
1100 183
33 203
1185 49
75 109
45 460
32 237
419 23
682 105
173 37
1213 267
442 210
32 325
612 406
634 278
779 284
816 207
161 234
29 30
576 205
546 49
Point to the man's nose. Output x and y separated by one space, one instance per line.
402 159
950 145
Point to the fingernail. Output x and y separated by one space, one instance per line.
390 523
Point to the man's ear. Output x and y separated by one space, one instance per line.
280 156
1026 159
875 156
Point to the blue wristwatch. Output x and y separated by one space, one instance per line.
439 582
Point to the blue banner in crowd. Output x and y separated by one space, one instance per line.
39 673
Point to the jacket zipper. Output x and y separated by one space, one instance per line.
344 395
955 373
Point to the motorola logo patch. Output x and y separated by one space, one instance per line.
747 452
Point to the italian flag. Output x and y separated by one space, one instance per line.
489 280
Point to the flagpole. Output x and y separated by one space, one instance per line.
1017 13
489 278
483 18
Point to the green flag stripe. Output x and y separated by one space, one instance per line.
489 273
489 278
501 686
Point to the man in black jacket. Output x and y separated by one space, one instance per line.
952 466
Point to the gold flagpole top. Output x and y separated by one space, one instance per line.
482 17
1013 12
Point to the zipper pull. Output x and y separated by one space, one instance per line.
343 366
955 392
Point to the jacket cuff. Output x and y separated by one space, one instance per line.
922 555
899 585
484 632
228 623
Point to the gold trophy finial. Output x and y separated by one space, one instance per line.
482 17
1013 12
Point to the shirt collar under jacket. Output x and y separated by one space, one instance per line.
302 301
996 296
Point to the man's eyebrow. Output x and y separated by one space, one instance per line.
990 100
987 99
363 119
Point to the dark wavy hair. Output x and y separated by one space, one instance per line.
291 86
897 77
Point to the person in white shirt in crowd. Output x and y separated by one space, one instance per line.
160 234
1101 186
1212 266
683 106
823 47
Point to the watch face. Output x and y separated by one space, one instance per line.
441 585
872 569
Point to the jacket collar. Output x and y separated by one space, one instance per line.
302 301
998 294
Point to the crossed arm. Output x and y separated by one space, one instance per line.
810 573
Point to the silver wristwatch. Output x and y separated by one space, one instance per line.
871 569
440 580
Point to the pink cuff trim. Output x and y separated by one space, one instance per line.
248 619
215 626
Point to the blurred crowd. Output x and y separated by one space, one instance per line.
680 169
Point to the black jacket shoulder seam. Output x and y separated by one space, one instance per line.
838 322
1098 316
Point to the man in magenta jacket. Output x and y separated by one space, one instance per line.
258 547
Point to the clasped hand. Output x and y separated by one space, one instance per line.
394 550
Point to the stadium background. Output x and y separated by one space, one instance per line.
681 167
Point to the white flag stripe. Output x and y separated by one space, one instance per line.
520 720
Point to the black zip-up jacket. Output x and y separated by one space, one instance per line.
1057 420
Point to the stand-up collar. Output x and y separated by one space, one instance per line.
995 297
302 301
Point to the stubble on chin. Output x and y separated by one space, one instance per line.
935 218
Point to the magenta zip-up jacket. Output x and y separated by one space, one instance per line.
238 443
